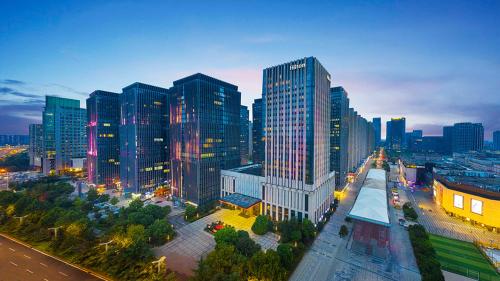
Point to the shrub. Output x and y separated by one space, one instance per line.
409 212
347 219
261 225
343 231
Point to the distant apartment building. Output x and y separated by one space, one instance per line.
64 134
298 181
244 135
258 145
496 140
144 138
339 135
448 140
205 136
36 145
14 140
103 138
467 137
377 126
361 140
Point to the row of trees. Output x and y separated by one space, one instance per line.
409 212
118 245
16 162
429 266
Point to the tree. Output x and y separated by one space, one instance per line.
261 225
190 212
343 231
92 195
224 263
103 198
114 201
159 230
308 231
155 211
266 266
285 251
226 235
135 205
245 245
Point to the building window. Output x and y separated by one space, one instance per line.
458 201
476 206
306 203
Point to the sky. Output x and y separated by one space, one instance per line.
434 62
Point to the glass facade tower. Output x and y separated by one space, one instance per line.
257 132
103 141
64 133
297 106
36 142
205 129
377 125
144 138
244 135
339 135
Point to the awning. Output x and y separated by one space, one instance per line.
240 200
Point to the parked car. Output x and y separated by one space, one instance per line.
402 221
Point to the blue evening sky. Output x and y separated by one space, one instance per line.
435 62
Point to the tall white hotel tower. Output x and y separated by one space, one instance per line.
296 101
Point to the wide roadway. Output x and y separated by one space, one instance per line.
18 262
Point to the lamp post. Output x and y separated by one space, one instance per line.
21 218
55 230
159 262
106 245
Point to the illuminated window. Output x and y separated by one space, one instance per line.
476 206
106 124
458 201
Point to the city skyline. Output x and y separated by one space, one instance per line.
429 73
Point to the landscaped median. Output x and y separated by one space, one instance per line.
427 262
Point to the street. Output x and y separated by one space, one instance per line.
18 262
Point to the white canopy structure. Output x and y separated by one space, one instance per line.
371 204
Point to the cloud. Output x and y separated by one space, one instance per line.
10 91
12 82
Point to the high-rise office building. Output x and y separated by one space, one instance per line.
103 138
414 140
447 145
258 145
64 133
397 133
339 135
205 130
36 145
244 134
298 181
496 140
467 137
377 126
144 138
388 134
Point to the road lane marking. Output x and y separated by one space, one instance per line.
42 264
28 257
64 274
12 249
13 263
29 271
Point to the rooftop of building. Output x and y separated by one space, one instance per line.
142 85
251 169
371 204
201 76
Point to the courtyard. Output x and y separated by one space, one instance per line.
193 242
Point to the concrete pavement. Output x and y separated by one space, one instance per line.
18 262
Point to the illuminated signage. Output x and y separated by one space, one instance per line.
297 66
476 206
458 201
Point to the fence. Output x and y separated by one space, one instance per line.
464 271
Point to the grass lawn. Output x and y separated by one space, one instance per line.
461 257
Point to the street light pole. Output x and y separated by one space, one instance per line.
106 245
55 230
159 262
21 218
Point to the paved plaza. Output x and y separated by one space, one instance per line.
193 242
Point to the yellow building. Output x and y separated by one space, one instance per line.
464 199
